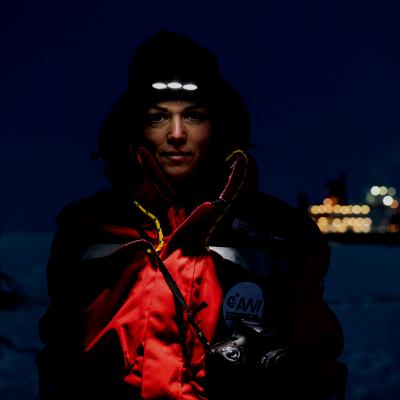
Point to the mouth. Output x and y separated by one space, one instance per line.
176 155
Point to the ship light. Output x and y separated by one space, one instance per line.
387 200
375 190
395 204
365 209
383 190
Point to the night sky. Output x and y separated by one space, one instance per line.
321 80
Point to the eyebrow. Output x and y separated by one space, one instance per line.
194 106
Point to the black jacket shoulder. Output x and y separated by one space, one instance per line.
106 207
275 218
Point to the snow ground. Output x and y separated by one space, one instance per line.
363 289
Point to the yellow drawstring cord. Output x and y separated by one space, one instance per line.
160 235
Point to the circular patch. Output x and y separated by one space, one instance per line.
243 301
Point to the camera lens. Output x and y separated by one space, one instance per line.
274 358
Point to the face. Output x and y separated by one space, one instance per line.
177 133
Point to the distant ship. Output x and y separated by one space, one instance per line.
377 221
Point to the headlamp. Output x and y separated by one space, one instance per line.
174 85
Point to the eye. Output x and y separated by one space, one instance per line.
196 116
155 118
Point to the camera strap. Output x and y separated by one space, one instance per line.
179 296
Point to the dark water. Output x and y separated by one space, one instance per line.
363 288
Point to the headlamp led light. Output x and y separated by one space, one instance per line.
159 85
174 85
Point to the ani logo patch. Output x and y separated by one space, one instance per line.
244 300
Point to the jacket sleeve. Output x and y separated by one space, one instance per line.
58 361
85 292
316 334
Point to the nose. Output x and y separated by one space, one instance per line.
177 133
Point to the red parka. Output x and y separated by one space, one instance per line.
115 329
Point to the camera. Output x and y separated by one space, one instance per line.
250 346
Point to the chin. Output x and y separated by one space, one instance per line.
177 177
178 174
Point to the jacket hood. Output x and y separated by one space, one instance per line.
170 66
